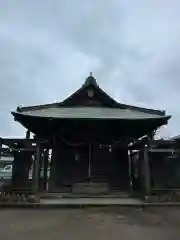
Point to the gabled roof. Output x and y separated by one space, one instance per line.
73 101
87 104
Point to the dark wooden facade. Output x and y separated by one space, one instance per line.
91 138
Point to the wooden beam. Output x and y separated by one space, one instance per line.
162 142
4 149
21 140
163 150
17 140
154 143
10 150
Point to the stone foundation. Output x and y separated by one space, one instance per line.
90 188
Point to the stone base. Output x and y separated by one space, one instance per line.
19 199
90 188
61 189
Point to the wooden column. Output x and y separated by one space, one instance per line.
46 155
41 163
28 133
37 167
130 169
53 169
89 162
0 147
146 172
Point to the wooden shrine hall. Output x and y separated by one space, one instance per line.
88 138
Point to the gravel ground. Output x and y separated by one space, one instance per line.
91 223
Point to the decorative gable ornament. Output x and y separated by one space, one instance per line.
90 93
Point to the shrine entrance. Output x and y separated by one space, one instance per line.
69 165
89 163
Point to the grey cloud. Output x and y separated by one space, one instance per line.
49 47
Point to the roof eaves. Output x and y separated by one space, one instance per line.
108 117
140 109
144 110
36 107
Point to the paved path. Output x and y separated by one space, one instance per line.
91 201
91 224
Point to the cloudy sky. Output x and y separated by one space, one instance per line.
47 48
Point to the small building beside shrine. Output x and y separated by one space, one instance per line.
90 137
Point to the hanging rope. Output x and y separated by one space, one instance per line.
72 144
79 144
112 144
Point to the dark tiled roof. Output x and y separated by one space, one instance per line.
111 110
89 113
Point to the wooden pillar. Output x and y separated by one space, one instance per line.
130 169
0 147
53 169
28 133
89 162
37 167
122 167
146 172
46 155
40 186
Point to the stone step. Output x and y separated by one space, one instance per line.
91 188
